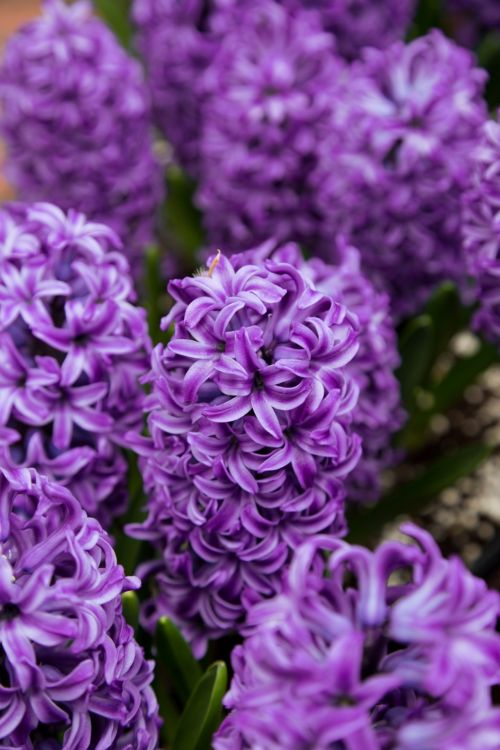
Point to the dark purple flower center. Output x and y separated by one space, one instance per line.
9 612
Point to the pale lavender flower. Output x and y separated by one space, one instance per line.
76 121
72 673
250 420
72 348
392 649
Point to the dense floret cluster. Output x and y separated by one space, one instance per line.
481 228
72 347
250 416
76 121
361 23
71 674
391 649
271 89
394 179
378 413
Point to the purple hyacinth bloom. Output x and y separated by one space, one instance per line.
72 349
392 650
270 93
378 413
177 40
76 121
481 230
250 419
468 20
361 23
72 674
398 162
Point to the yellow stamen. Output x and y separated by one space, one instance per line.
214 264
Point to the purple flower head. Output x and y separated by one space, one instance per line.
250 419
468 20
271 86
72 348
398 162
177 40
76 121
361 23
72 673
481 230
378 413
392 649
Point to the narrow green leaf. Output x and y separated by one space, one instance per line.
130 604
416 348
411 497
203 712
448 316
155 292
461 375
127 549
184 219
177 659
116 13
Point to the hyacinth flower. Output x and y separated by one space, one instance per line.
177 41
72 674
270 92
467 20
398 163
76 122
250 417
481 230
395 648
378 413
72 348
361 23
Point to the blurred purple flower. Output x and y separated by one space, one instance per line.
270 93
468 20
398 161
72 673
391 649
72 348
361 23
177 40
481 230
378 413
76 121
250 418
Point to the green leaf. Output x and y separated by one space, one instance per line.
126 548
461 375
416 348
184 219
155 293
411 497
448 316
130 604
177 659
116 13
203 712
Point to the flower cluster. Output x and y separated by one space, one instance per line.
362 23
467 20
378 413
392 649
394 179
250 420
76 121
270 92
72 675
481 229
72 347
177 41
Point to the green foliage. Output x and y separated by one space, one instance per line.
183 218
175 655
130 604
411 497
416 348
203 712
127 549
116 13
